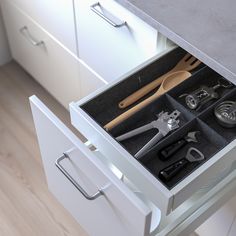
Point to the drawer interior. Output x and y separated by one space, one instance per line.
212 137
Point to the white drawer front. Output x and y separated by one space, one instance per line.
51 65
56 17
112 51
89 80
116 212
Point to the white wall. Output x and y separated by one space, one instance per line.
4 48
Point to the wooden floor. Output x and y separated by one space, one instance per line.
26 206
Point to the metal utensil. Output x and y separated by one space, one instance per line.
164 123
187 63
196 99
168 151
225 114
193 155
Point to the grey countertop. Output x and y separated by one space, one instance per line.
207 29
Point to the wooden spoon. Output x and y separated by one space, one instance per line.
187 63
168 83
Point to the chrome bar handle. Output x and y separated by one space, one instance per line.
93 8
25 32
71 179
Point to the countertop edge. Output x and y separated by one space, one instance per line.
173 36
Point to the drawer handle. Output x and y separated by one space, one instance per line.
25 32
111 22
71 179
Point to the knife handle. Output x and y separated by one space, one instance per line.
170 171
166 152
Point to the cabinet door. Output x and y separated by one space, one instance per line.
90 81
54 67
98 200
108 49
56 17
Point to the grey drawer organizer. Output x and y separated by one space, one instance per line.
104 107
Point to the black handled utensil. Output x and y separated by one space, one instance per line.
193 155
166 152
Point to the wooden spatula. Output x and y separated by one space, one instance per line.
168 83
188 63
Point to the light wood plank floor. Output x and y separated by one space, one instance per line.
26 206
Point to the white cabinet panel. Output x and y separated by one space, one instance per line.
232 231
90 81
50 64
218 225
56 17
117 211
222 223
112 51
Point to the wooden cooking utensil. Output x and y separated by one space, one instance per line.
187 63
168 83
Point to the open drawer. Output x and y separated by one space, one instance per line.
217 144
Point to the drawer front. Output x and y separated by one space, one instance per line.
56 17
217 145
98 200
108 49
50 64
89 80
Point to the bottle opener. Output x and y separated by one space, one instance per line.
168 151
193 155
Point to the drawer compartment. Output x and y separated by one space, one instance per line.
91 114
209 119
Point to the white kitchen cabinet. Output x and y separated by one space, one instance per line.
54 63
48 62
114 47
183 206
55 17
111 40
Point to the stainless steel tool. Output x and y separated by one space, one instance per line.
225 114
196 99
168 151
164 123
193 155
